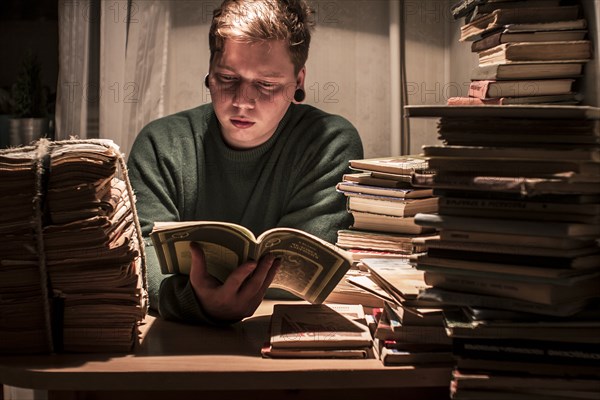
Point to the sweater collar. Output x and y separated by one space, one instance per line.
246 154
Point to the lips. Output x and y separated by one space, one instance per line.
241 123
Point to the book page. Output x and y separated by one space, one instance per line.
310 267
225 247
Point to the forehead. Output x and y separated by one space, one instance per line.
269 57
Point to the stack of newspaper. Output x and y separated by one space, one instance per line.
83 252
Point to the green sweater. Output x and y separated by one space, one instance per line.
181 170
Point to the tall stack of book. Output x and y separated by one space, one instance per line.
529 51
383 203
79 240
518 252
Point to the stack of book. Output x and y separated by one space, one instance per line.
80 242
383 203
518 252
319 331
529 51
409 330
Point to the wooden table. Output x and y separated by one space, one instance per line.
178 361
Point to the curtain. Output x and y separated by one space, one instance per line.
76 94
112 68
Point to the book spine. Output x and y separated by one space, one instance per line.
525 206
421 334
487 72
473 101
490 225
486 42
479 89
530 351
528 291
474 300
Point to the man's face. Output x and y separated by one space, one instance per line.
252 86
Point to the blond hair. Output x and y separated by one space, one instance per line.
259 20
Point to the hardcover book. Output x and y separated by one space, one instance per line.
497 19
517 88
508 226
310 267
572 51
517 287
514 71
510 35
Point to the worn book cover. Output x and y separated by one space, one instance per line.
517 88
310 267
500 17
387 223
465 299
510 35
387 180
521 349
508 226
508 239
396 165
319 326
571 51
541 70
569 98
390 206
559 330
517 287
515 114
401 193
555 184
497 269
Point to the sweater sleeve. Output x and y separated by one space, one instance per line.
153 171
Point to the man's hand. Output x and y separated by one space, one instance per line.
242 292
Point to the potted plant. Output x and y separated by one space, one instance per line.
29 98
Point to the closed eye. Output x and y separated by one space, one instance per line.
226 78
267 85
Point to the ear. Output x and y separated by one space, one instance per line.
300 78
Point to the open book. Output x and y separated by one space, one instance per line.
310 267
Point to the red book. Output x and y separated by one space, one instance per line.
518 88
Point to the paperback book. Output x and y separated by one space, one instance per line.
310 267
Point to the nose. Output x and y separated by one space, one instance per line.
245 96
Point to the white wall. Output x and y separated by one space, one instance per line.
347 69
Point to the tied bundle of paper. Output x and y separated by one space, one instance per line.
86 251
92 247
24 326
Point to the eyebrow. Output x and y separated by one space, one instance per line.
266 74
